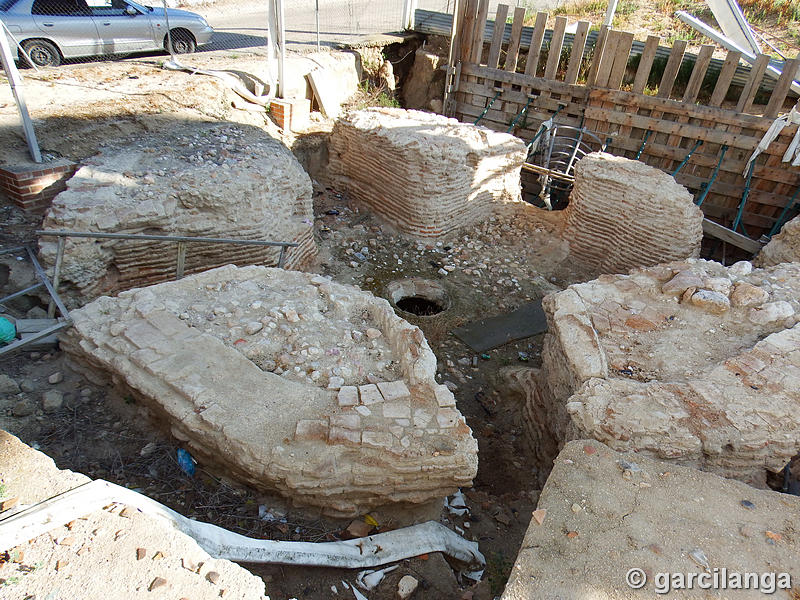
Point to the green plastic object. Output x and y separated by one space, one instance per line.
7 331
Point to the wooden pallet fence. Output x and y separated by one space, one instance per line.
513 82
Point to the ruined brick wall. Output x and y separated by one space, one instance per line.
199 180
783 247
688 361
624 214
286 381
424 173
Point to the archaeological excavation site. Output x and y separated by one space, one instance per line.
502 307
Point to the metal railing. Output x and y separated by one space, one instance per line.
52 288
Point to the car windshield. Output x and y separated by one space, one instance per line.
6 4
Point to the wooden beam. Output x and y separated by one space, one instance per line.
536 44
645 63
556 43
576 55
497 37
726 235
513 43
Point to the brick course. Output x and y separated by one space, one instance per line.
33 187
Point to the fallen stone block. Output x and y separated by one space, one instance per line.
423 173
636 362
260 408
623 526
199 180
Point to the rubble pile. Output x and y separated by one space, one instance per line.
423 173
288 382
783 247
689 361
207 180
624 214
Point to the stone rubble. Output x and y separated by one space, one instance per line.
303 406
639 363
423 173
203 180
783 247
624 214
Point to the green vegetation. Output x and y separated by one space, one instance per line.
498 570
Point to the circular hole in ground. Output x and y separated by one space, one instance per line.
417 296
422 307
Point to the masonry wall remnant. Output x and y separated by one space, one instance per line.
286 381
624 214
423 173
688 361
200 180
783 247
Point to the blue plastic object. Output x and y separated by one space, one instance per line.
186 462
7 331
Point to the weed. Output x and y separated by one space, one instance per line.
3 489
498 569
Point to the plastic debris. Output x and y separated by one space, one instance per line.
700 558
523 356
332 212
357 594
370 579
186 462
629 466
7 331
747 504
334 589
474 575
486 357
370 520
458 505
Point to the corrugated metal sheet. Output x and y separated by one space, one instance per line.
436 23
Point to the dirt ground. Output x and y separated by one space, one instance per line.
491 269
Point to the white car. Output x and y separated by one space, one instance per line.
52 30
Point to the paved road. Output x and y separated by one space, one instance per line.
243 25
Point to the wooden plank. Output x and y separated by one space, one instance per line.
513 44
723 233
645 63
753 82
725 77
788 75
480 31
607 60
728 212
671 128
576 55
536 43
497 37
671 70
698 73
468 29
696 111
621 56
597 57
520 97
556 44
556 87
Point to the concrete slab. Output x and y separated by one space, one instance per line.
608 513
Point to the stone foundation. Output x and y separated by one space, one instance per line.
288 382
203 180
604 513
423 173
624 214
783 247
688 361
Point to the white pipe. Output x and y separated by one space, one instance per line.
232 80
361 553
773 72
610 12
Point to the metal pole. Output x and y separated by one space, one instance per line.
282 257
181 260
316 16
51 308
16 88
612 9
281 49
170 49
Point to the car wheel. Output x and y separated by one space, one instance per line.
182 41
42 53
